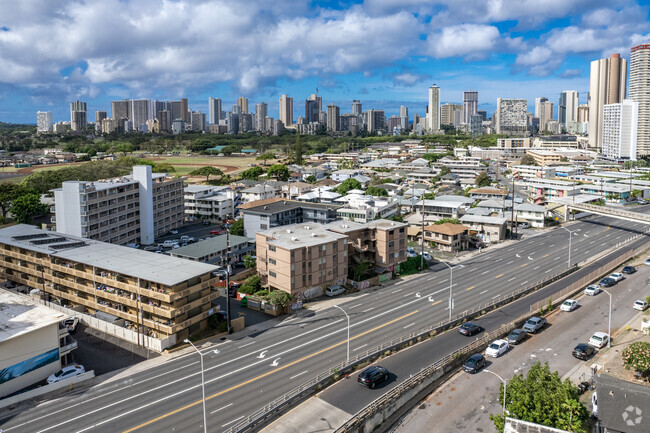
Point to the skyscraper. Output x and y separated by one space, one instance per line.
450 114
139 112
538 106
286 110
121 110
545 114
243 104
567 109
404 118
376 120
312 114
640 92
78 116
470 105
433 112
214 111
356 107
318 99
43 121
261 111
333 114
607 85
186 115
620 130
510 116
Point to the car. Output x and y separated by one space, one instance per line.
617 276
640 305
607 282
334 290
186 238
173 232
410 252
534 324
599 339
647 262
583 351
71 324
215 232
516 336
373 375
497 348
569 305
427 256
523 225
628 270
66 372
474 363
469 328
592 290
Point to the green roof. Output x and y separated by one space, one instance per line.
209 246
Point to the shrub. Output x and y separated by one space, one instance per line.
637 356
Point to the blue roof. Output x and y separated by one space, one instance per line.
217 148
248 151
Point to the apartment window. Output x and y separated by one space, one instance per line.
390 244
324 247
271 248
401 230
272 261
293 267
271 273
263 227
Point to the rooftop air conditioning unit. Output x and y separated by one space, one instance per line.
293 238
288 230
313 235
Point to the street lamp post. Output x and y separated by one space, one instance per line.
609 320
216 351
570 233
451 280
505 384
346 315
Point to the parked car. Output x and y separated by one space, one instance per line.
599 339
215 232
569 305
617 276
427 256
516 336
640 305
607 282
186 238
497 348
71 324
410 252
523 225
66 372
592 290
583 351
334 290
628 270
647 262
373 375
474 363
469 328
534 324
173 232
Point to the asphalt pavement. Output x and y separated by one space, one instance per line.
251 371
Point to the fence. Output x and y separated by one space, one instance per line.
253 421
122 333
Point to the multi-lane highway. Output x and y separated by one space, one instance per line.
249 372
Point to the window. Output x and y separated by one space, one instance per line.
390 244
263 227
271 248
271 273
401 230
272 261
324 247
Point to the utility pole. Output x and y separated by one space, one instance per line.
512 210
422 251
228 277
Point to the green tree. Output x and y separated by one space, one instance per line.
541 397
377 192
279 297
483 180
311 178
527 160
8 193
237 228
296 151
26 206
278 171
163 168
347 185
444 170
265 157
252 285
252 173
249 261
206 171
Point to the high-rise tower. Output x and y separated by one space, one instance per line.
433 112
607 85
470 105
286 110
639 92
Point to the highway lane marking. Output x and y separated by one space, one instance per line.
470 288
436 303
546 255
360 347
509 262
221 408
525 264
499 276
408 294
536 267
483 273
299 374
557 258
354 306
498 260
369 309
445 280
587 252
513 278
551 246
524 283
484 291
496 296
247 344
233 421
592 242
519 252
254 379
409 325
432 278
397 291
548 271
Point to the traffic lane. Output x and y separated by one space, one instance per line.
467 400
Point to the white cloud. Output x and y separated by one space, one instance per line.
465 40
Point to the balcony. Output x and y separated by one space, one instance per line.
64 350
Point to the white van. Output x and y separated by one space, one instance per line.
334 290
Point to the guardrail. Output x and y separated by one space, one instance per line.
253 421
610 211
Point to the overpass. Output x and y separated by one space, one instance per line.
608 211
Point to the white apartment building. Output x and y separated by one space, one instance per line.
510 116
210 203
130 209
365 208
620 123
43 121
532 171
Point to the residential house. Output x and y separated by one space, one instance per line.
447 237
294 189
341 175
256 193
529 213
446 206
489 229
487 193
365 208
213 250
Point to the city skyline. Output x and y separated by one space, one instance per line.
385 53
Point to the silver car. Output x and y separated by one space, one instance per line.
534 324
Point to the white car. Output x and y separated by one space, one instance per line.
66 372
497 348
569 305
647 262
592 290
599 340
173 231
427 257
640 305
617 276
334 290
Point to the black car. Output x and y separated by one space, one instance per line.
628 270
583 351
607 282
469 328
474 363
516 336
373 375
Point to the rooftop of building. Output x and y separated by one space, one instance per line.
483 219
209 246
198 188
157 268
487 190
293 236
103 184
19 315
278 204
449 229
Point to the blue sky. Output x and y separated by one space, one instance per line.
384 52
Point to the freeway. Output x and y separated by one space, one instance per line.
251 371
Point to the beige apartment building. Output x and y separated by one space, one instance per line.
301 259
447 237
131 209
381 242
166 296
